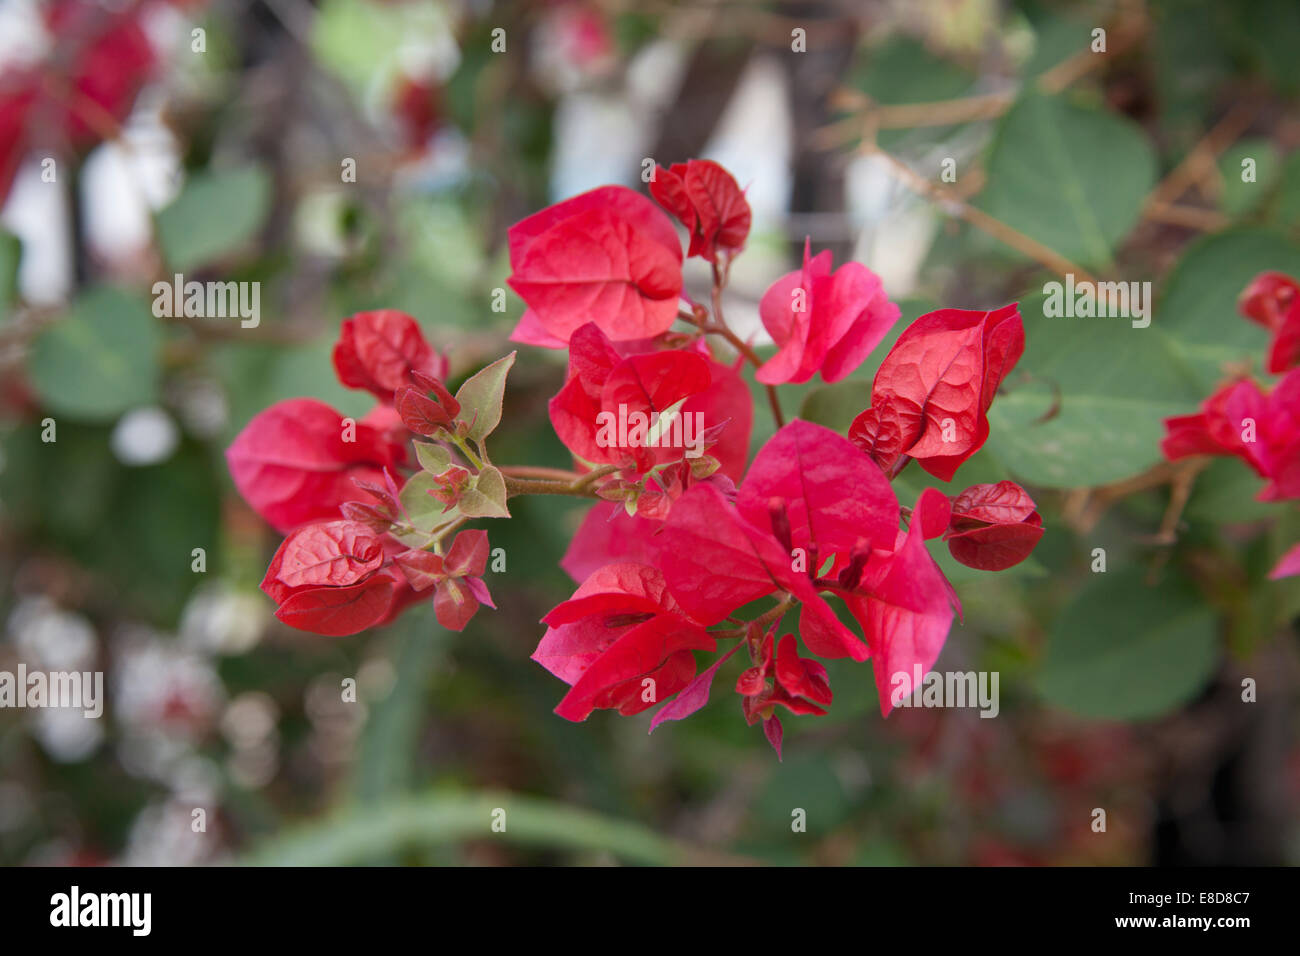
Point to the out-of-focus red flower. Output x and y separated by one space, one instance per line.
822 320
621 642
416 105
931 395
1288 566
1263 429
707 201
1273 300
378 351
82 90
609 256
993 527
295 462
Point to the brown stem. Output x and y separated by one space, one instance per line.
537 486
720 327
531 471
982 220
594 476
579 487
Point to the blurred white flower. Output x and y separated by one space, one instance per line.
144 436
220 619
51 638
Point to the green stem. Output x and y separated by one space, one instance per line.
472 458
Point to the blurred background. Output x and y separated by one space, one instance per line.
142 138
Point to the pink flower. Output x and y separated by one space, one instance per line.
931 394
993 527
621 642
296 461
823 321
608 256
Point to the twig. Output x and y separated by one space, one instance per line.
1201 160
980 219
719 327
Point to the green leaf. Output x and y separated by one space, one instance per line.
1091 411
1072 178
362 834
1056 39
215 214
835 406
1224 493
1238 196
425 511
480 398
487 499
433 458
100 360
1125 651
900 71
1198 308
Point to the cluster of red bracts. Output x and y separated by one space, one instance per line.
686 538
679 551
1262 428
333 487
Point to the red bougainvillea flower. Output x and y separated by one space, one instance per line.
609 535
609 256
823 320
1273 300
1263 429
378 351
785 679
993 527
334 578
707 201
621 642
416 105
800 684
457 577
607 409
904 603
101 59
931 394
295 462
808 496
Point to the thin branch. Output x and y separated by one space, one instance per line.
719 327
531 471
980 219
1202 158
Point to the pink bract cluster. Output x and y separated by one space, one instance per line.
692 545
